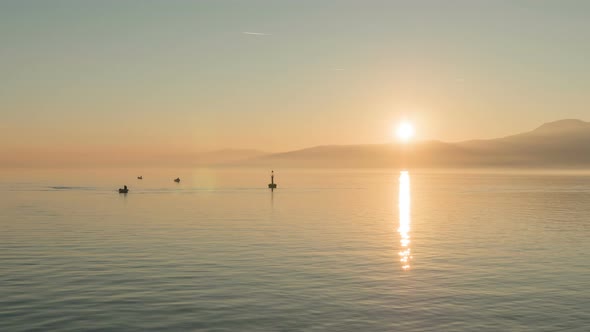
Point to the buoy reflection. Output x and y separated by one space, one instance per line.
404 219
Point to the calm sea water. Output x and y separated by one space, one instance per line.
330 250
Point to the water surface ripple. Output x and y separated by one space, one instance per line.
219 252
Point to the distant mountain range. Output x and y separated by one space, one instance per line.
122 157
559 144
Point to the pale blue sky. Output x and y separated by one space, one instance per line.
183 74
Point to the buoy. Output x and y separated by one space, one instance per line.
272 185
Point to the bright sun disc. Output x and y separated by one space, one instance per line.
404 131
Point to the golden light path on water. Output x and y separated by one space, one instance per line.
404 219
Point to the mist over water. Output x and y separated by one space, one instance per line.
334 250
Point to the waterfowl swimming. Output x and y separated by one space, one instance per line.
177 180
124 190
140 177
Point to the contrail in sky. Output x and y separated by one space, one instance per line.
256 33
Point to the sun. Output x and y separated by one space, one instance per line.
404 131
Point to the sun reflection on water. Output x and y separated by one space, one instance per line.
404 219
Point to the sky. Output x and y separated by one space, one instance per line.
280 75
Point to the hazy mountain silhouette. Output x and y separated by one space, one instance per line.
559 144
563 144
122 157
